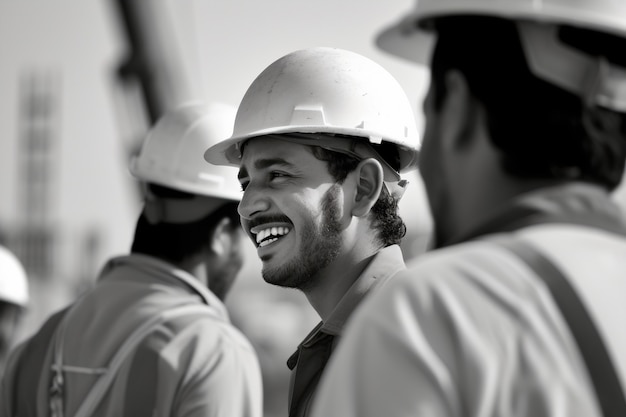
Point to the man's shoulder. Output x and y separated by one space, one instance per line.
23 372
477 273
37 345
205 329
451 259
198 344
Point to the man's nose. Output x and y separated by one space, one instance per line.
252 202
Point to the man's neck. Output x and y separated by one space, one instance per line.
490 201
335 280
195 268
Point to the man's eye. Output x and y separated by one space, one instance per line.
244 185
275 174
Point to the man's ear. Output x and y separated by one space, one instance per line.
459 108
369 183
221 237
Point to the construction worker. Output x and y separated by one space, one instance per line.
320 138
13 300
518 310
153 336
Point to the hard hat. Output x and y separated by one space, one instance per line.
327 91
591 78
171 154
13 281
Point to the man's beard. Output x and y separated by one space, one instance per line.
319 247
224 269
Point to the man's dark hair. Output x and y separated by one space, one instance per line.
175 242
9 316
541 130
386 219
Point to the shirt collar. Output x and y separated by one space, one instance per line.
574 203
387 262
162 271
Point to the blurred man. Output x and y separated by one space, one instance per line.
153 337
519 311
13 300
320 139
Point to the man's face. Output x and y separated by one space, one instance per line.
432 163
224 268
291 209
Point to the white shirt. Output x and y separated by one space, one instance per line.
471 331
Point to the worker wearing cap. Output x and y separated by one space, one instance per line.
153 336
519 309
320 139
13 300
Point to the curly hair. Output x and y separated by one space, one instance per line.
385 216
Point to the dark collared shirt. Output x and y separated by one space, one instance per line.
308 362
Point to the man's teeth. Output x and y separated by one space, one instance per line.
270 235
267 242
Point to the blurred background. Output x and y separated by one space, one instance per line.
83 80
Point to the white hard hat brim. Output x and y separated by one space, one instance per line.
13 279
228 152
407 38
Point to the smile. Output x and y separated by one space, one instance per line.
270 235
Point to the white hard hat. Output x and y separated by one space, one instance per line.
171 154
328 91
592 78
13 281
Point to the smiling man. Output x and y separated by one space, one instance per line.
320 139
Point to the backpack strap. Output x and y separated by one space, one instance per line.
142 380
143 375
30 361
100 388
608 389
